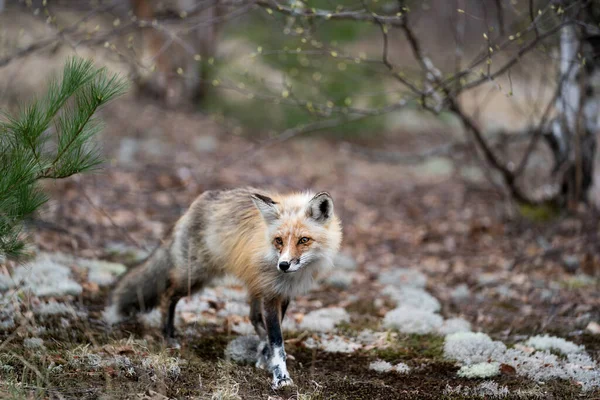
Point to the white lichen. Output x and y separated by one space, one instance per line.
546 342
479 370
101 278
412 320
243 349
239 295
486 390
340 279
44 277
384 366
54 308
234 308
6 282
324 319
454 325
402 277
460 293
332 344
8 312
401 368
339 344
243 328
380 366
491 389
412 297
344 261
34 343
479 354
289 325
472 348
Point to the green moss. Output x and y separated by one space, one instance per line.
506 305
539 213
411 347
357 324
579 282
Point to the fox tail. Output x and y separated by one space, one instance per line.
141 287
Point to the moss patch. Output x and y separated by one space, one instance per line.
413 347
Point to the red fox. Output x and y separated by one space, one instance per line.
275 244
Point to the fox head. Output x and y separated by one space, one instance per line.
302 229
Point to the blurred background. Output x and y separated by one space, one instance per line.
457 137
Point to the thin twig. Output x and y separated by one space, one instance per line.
49 41
331 15
541 130
385 54
509 64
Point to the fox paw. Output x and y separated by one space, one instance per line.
261 356
173 343
282 382
261 363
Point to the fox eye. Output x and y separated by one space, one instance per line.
303 240
279 241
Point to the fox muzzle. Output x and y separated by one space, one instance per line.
284 266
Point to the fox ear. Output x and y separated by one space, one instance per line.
266 206
320 207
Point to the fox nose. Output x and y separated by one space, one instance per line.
284 266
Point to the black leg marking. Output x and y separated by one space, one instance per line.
272 320
276 353
256 318
169 327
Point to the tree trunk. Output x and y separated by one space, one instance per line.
573 135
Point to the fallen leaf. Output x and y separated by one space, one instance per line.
506 369
125 350
90 287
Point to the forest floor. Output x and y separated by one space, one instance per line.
420 236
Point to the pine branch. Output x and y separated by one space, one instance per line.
69 106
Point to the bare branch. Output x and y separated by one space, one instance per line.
509 64
385 55
500 15
47 42
532 18
507 174
330 15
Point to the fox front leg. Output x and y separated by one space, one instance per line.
274 352
256 317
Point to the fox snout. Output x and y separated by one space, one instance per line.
288 266
284 266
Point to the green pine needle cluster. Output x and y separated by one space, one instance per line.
50 139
